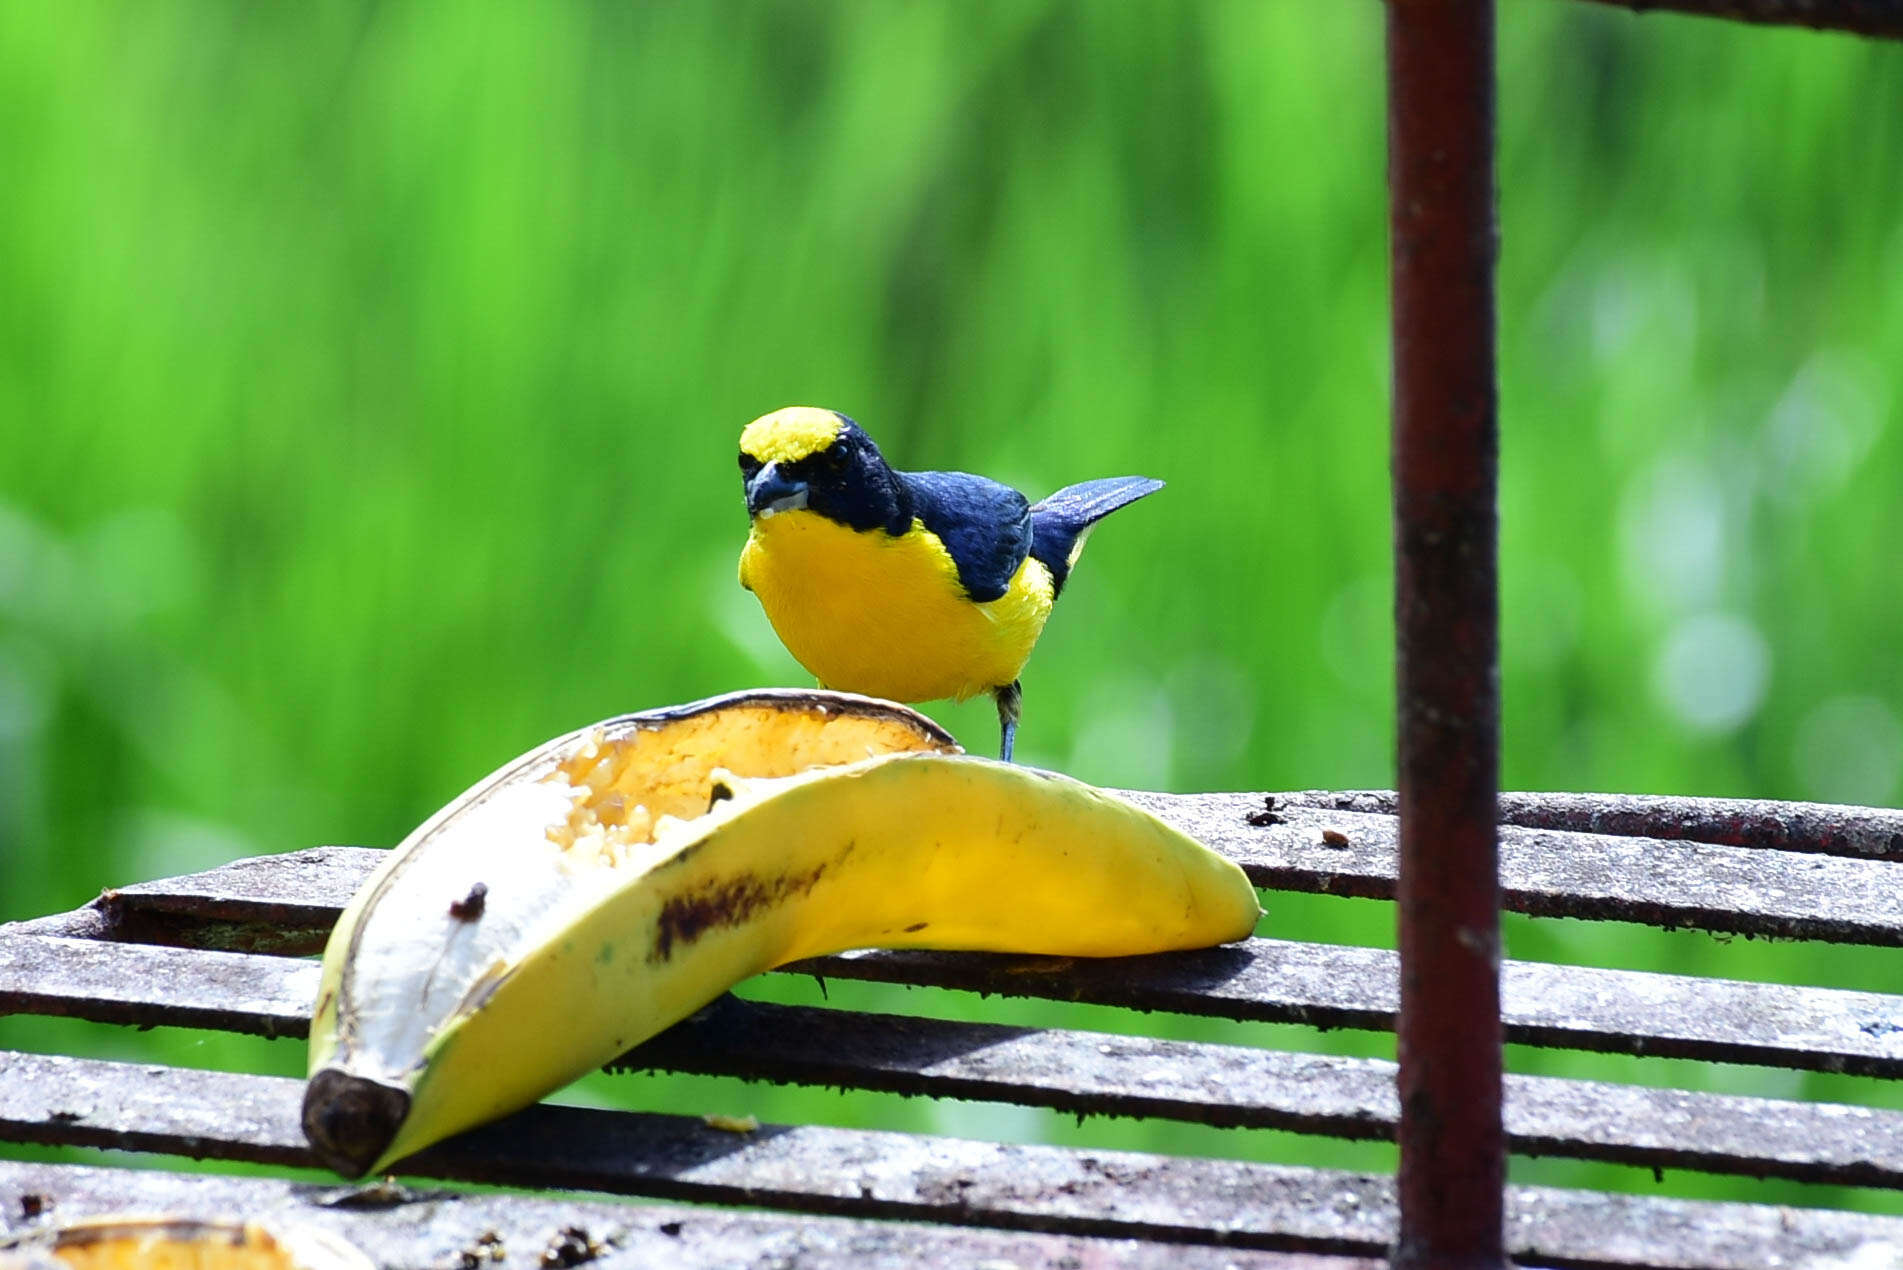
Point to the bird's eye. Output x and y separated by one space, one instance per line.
748 464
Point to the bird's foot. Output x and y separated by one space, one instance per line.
1010 699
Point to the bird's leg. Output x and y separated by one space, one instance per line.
1009 698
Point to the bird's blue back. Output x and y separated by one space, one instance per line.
989 528
985 525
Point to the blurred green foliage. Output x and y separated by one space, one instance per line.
371 376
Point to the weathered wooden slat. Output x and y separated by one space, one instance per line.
842 1172
282 903
1830 828
299 887
1227 1085
1330 986
153 985
1879 19
1070 1071
1557 873
53 1099
406 1229
1263 980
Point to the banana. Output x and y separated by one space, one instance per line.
152 1242
613 881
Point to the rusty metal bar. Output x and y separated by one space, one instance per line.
1445 458
1265 980
1179 1202
406 1229
1882 19
1826 828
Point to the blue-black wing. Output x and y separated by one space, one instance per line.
986 526
1061 522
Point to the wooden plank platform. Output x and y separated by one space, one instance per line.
1830 828
1119 1195
1260 980
227 949
1084 1072
1801 891
1672 882
406 1228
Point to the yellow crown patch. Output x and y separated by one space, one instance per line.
788 435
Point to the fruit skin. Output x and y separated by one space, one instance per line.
926 848
137 1241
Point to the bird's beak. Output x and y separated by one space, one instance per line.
770 493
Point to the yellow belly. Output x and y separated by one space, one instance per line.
867 612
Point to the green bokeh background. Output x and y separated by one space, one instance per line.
371 375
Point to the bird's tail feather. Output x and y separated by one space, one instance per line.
1061 522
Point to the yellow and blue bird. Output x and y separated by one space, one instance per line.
913 586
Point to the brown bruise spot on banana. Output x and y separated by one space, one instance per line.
470 906
721 903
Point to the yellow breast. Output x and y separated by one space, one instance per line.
868 612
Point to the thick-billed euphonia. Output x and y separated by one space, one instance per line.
911 586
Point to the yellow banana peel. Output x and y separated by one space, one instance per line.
137 1241
613 881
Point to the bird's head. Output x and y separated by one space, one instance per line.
804 457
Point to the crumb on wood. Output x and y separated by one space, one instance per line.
1267 815
569 1246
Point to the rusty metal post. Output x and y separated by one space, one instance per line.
1445 457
